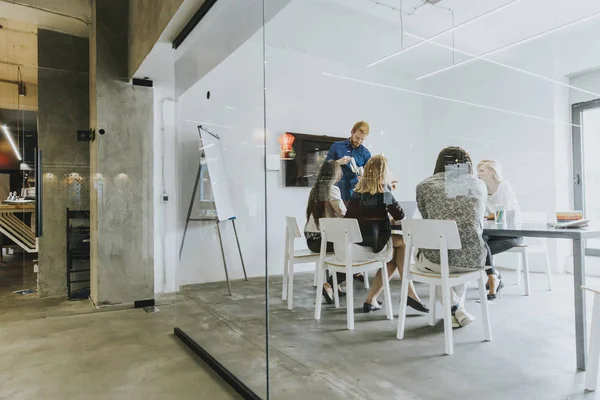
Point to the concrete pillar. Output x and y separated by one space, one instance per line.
63 109
121 165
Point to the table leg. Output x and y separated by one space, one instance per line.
580 315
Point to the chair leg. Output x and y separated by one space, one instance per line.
446 306
286 265
290 294
386 292
526 274
548 271
432 290
591 377
319 291
487 327
366 277
519 269
315 274
349 302
336 294
402 310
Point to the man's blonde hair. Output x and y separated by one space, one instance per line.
362 126
375 176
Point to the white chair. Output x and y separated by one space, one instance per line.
345 232
528 248
292 257
591 374
442 236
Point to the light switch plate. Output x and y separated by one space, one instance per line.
273 162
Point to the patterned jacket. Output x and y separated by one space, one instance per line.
460 197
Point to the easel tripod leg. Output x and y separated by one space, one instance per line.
239 249
223 255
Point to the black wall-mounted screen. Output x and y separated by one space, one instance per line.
311 151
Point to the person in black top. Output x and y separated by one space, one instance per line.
372 204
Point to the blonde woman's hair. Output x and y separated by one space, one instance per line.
362 126
493 166
374 178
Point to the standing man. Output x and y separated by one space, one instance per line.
352 156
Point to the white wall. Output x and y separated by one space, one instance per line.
299 99
525 125
525 146
589 81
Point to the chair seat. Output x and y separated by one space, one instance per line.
333 260
306 253
415 271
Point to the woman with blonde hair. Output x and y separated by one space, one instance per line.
372 204
500 193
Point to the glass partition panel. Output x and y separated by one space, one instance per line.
221 195
380 88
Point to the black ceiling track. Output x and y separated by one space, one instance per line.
189 27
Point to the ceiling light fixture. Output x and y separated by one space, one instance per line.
11 141
461 25
503 65
517 43
466 103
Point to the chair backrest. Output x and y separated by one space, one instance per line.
535 217
292 227
409 208
426 233
337 229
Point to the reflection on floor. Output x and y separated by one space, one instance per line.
116 355
532 355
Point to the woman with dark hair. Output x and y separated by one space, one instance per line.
324 201
455 193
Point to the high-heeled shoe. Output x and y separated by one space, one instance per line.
487 286
328 298
416 305
368 307
494 296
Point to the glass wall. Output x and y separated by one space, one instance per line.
492 77
260 116
222 194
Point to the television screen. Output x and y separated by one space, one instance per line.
310 154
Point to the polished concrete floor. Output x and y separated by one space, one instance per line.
532 355
56 349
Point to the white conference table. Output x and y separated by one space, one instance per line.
578 236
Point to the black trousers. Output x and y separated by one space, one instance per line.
496 245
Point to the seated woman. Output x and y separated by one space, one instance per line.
499 193
370 204
454 193
324 201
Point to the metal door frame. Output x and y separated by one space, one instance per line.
578 166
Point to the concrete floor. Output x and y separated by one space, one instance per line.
532 355
57 349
